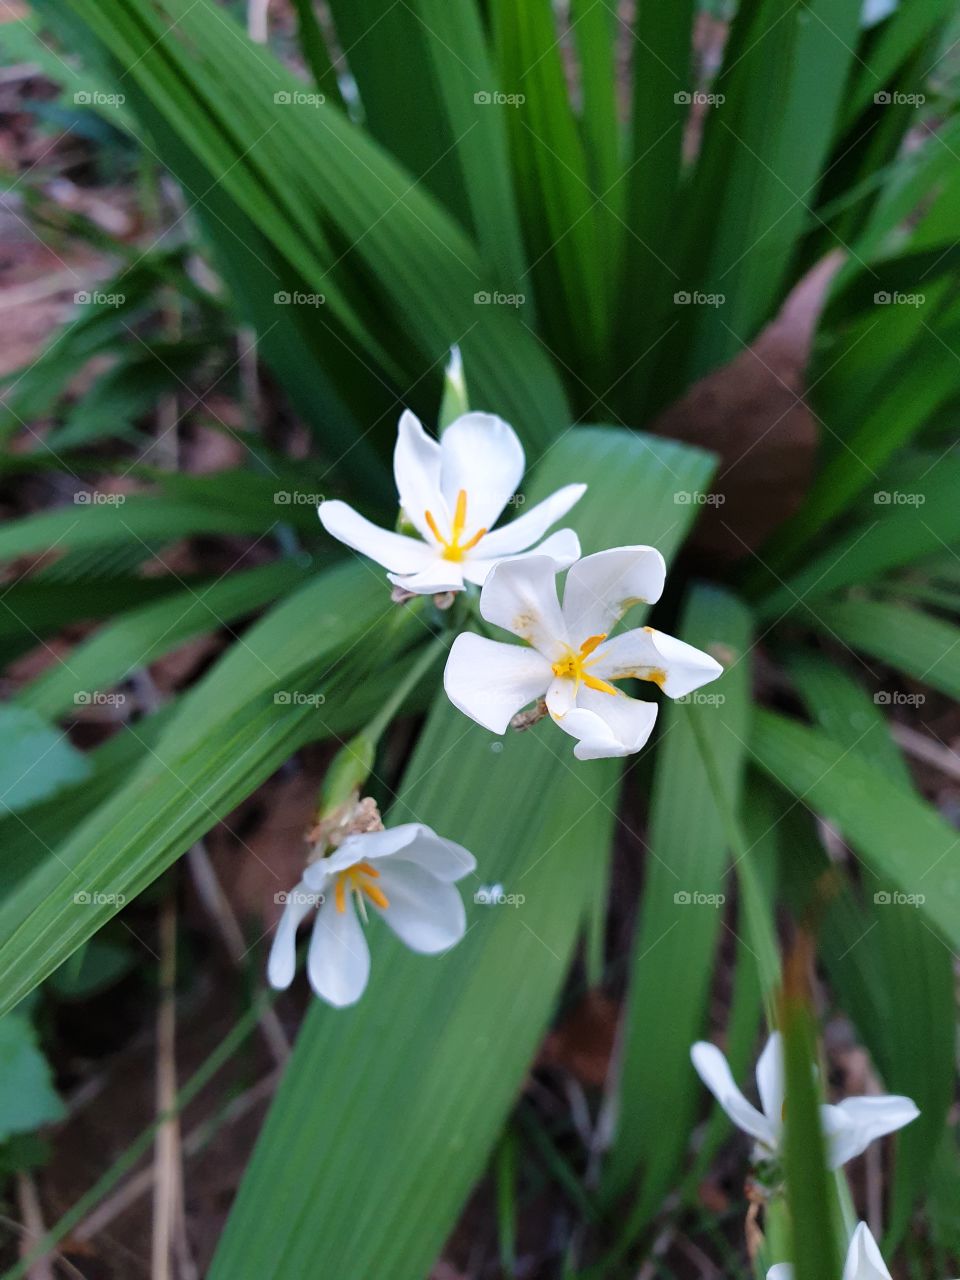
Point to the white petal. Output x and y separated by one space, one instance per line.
677 667
601 588
561 696
439 575
425 913
490 681
413 842
525 530
770 1082
780 1271
392 550
482 455
608 724
563 547
714 1070
338 961
521 596
864 1260
282 964
856 1122
416 469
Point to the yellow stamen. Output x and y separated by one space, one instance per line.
453 549
574 666
428 516
357 880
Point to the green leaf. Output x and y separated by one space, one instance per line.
681 913
435 1061
908 1000
913 513
27 1096
925 647
228 734
36 759
401 294
142 635
815 1249
905 842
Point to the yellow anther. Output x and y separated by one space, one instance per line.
357 879
574 666
452 547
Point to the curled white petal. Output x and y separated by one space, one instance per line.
416 470
714 1070
425 913
645 654
602 587
864 1260
606 724
780 1271
482 455
521 533
438 576
338 960
853 1124
770 1079
563 547
392 550
490 681
520 595
282 962
411 841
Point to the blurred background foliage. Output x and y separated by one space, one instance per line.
702 256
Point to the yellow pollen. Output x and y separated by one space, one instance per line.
574 666
453 549
357 879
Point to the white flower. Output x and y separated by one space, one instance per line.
863 1261
569 660
453 491
849 1127
406 873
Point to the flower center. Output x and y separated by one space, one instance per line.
574 666
452 548
357 879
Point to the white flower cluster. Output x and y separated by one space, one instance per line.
452 492
849 1128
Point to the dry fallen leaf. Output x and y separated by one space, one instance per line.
752 412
